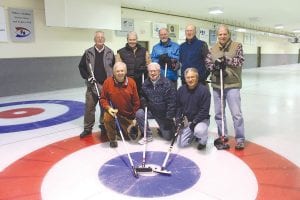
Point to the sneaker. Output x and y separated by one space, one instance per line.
219 140
201 146
85 133
102 129
148 139
240 146
113 144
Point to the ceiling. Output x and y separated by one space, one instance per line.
259 15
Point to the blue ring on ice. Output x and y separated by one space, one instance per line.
117 175
76 110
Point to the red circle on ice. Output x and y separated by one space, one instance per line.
21 112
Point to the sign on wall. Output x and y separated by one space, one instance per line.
173 31
202 34
3 33
21 25
127 25
156 27
212 37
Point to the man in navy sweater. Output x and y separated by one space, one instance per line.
193 102
192 53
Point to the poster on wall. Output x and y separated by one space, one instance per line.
202 34
247 39
3 33
182 33
127 25
21 25
156 27
173 31
212 37
233 35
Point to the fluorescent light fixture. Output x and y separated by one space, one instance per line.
296 31
215 11
279 26
242 30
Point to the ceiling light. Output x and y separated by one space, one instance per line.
296 31
215 11
279 26
241 30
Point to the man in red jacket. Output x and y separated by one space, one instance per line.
119 97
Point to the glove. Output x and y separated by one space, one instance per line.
112 112
169 124
179 122
133 130
144 102
192 126
91 80
174 64
163 59
220 63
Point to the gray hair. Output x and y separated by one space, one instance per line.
191 69
163 29
155 65
132 33
97 33
225 27
119 64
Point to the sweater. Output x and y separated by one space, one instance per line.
123 97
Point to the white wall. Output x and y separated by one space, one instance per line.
53 42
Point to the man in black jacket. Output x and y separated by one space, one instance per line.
193 102
136 59
101 58
159 95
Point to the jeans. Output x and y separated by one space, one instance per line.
166 133
233 99
186 136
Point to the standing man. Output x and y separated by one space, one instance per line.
227 56
102 60
159 95
119 97
192 53
165 53
136 59
193 102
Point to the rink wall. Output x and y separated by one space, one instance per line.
50 62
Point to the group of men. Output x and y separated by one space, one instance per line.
133 80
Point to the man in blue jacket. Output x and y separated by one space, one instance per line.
192 53
166 53
193 102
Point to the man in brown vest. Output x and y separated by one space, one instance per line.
227 55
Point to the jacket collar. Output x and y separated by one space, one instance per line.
226 46
123 84
192 40
167 44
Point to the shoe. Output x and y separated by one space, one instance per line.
133 132
240 146
102 129
201 146
113 144
85 133
159 133
219 140
148 139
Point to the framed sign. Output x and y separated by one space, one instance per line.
21 25
127 25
